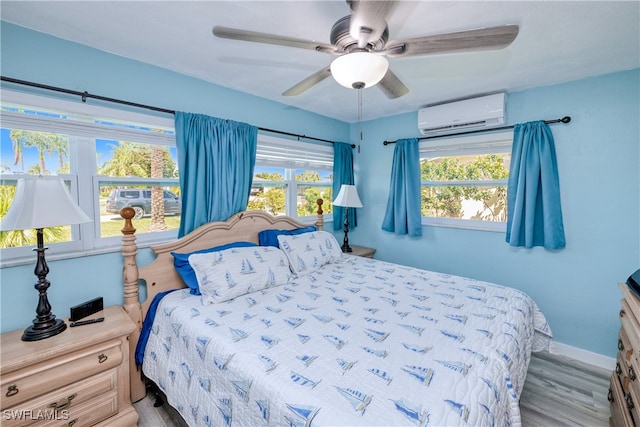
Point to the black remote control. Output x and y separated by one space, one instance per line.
86 322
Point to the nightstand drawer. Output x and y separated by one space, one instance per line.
630 325
621 371
87 414
62 399
28 383
625 349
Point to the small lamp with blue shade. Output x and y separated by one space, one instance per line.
42 202
347 198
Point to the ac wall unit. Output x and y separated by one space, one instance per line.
469 114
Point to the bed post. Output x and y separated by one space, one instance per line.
132 300
320 220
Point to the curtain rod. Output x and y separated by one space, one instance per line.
565 119
84 95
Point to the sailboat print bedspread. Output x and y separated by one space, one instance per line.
357 342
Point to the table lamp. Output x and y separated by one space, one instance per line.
42 202
347 198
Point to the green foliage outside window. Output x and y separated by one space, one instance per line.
135 159
442 200
144 161
307 205
45 143
269 197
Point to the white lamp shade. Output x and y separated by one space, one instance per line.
42 202
348 197
359 67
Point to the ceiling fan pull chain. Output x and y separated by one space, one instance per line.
359 118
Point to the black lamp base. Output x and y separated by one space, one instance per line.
36 332
45 325
345 243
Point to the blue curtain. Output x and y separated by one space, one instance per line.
342 174
216 158
534 215
403 207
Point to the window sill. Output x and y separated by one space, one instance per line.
7 262
465 224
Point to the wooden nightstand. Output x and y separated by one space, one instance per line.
79 377
362 251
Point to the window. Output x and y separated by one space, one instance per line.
464 181
142 176
109 159
290 176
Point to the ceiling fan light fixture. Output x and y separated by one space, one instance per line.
359 70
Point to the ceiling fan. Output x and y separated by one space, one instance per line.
360 43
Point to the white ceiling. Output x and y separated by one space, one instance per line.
558 41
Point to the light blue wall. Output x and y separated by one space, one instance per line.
32 56
598 157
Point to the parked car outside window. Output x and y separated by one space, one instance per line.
140 201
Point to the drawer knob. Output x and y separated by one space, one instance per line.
12 390
102 358
618 369
620 345
629 401
63 403
610 396
632 373
70 423
622 313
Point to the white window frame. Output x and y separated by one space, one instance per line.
82 133
292 155
485 143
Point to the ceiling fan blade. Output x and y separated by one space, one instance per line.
253 36
392 86
307 83
369 19
480 39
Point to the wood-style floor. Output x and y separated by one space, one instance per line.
558 392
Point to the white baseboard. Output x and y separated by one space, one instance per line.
585 356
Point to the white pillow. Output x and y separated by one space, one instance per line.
309 251
227 274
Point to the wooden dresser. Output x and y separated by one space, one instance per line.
79 377
624 391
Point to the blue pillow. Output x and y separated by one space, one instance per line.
270 237
181 263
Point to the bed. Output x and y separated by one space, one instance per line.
322 338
